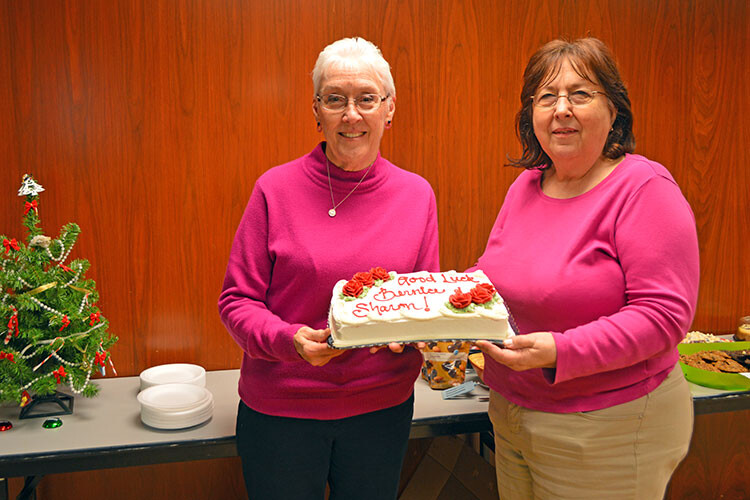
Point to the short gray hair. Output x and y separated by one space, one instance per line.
355 53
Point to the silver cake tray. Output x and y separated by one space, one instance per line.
405 342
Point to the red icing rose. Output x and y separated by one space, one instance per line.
352 288
364 278
379 273
488 287
480 294
460 300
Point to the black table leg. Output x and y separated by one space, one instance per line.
29 488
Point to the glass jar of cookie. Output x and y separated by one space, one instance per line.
743 329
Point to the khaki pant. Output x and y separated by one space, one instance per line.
628 451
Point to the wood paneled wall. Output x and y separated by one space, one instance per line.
148 122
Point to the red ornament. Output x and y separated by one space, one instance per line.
13 323
7 355
100 358
8 244
65 268
25 398
60 372
94 317
5 425
31 206
65 322
460 300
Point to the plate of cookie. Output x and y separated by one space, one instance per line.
719 365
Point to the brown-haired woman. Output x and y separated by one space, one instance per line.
595 251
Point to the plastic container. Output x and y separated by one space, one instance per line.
447 367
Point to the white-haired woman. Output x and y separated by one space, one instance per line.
311 415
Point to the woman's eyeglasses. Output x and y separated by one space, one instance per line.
578 98
364 103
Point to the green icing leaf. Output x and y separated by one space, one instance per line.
466 310
490 303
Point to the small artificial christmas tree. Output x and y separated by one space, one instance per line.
55 333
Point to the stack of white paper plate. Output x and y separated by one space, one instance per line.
175 373
175 406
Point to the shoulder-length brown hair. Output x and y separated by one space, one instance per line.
592 60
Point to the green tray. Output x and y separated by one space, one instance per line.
715 380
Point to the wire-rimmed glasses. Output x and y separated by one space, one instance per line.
365 103
579 97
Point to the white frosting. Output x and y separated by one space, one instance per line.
414 307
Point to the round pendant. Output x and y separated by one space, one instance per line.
332 212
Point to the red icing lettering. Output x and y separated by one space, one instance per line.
360 311
393 307
385 295
457 279
410 280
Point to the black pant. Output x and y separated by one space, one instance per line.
293 458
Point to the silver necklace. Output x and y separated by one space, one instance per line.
332 212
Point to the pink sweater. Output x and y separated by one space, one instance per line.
286 257
613 273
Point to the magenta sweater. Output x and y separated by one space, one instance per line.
286 257
613 273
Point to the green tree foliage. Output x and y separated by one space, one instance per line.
56 335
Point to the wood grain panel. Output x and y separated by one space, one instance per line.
715 464
149 121
203 479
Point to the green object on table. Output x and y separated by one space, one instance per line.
715 380
52 423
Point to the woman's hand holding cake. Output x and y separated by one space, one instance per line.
312 346
523 352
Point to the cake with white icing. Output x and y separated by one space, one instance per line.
378 307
